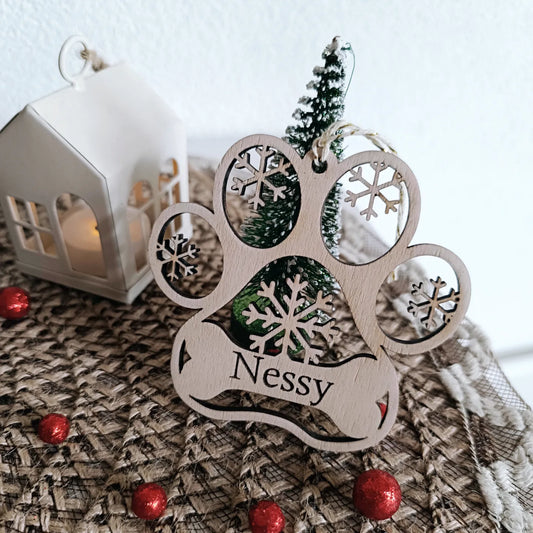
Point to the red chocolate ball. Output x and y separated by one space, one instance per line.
377 494
266 517
53 428
14 303
149 501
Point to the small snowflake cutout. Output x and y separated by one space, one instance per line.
433 307
374 190
260 174
175 255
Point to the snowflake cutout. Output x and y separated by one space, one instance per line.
298 319
259 176
433 303
174 253
373 190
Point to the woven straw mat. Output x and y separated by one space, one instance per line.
461 447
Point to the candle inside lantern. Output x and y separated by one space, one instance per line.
82 239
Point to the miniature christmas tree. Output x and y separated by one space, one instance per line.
275 219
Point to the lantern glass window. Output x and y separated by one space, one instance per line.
20 213
40 215
142 198
33 226
169 191
28 238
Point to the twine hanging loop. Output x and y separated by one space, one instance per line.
97 63
341 129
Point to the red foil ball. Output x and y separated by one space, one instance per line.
149 501
53 428
14 303
377 494
266 517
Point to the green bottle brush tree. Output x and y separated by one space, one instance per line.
275 219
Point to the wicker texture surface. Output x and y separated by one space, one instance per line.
461 448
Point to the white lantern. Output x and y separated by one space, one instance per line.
85 172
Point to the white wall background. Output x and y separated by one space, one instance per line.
449 83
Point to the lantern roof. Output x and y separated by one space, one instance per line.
112 119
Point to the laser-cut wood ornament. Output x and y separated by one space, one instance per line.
359 393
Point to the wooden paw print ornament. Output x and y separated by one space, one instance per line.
283 365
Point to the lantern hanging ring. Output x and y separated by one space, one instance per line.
64 53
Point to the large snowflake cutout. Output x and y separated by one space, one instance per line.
295 321
374 190
176 252
433 306
260 176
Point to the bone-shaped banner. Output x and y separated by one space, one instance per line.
358 394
